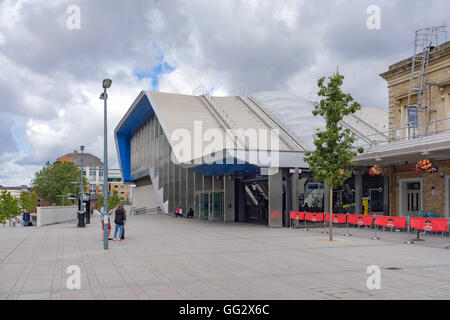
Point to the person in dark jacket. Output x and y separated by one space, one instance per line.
119 220
190 213
26 218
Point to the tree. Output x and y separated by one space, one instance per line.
113 201
54 181
331 161
8 206
28 201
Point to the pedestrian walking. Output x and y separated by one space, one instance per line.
119 220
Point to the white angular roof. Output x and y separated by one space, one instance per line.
295 114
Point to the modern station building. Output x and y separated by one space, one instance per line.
234 159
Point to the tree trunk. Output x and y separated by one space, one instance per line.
331 214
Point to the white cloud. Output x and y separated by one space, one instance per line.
51 76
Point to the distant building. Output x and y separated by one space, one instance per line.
92 169
116 183
16 191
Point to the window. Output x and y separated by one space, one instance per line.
412 121
413 186
121 186
100 172
92 188
92 174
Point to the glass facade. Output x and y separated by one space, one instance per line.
311 193
150 150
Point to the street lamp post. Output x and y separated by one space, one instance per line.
104 96
81 223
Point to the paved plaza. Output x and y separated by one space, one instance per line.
176 258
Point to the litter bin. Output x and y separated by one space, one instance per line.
81 217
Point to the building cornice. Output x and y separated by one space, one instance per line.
405 65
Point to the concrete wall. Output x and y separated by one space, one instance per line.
145 197
53 215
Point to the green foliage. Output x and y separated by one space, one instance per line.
113 201
8 206
54 180
331 162
28 201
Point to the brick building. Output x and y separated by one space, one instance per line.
417 134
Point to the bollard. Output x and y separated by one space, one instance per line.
348 234
324 230
375 228
409 241
306 229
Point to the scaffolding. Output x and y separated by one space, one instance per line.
425 41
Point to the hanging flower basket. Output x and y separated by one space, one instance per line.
378 171
425 166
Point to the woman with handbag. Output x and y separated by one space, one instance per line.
119 220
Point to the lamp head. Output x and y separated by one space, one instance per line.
82 148
107 83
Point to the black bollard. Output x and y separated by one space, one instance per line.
81 223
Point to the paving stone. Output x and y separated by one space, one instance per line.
164 258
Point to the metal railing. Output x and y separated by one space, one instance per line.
411 132
139 211
279 123
290 142
201 91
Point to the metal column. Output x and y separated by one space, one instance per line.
275 198
358 191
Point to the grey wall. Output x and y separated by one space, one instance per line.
53 215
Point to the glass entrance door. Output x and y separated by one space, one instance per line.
204 206
413 198
216 212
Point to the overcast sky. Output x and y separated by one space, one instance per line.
50 75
